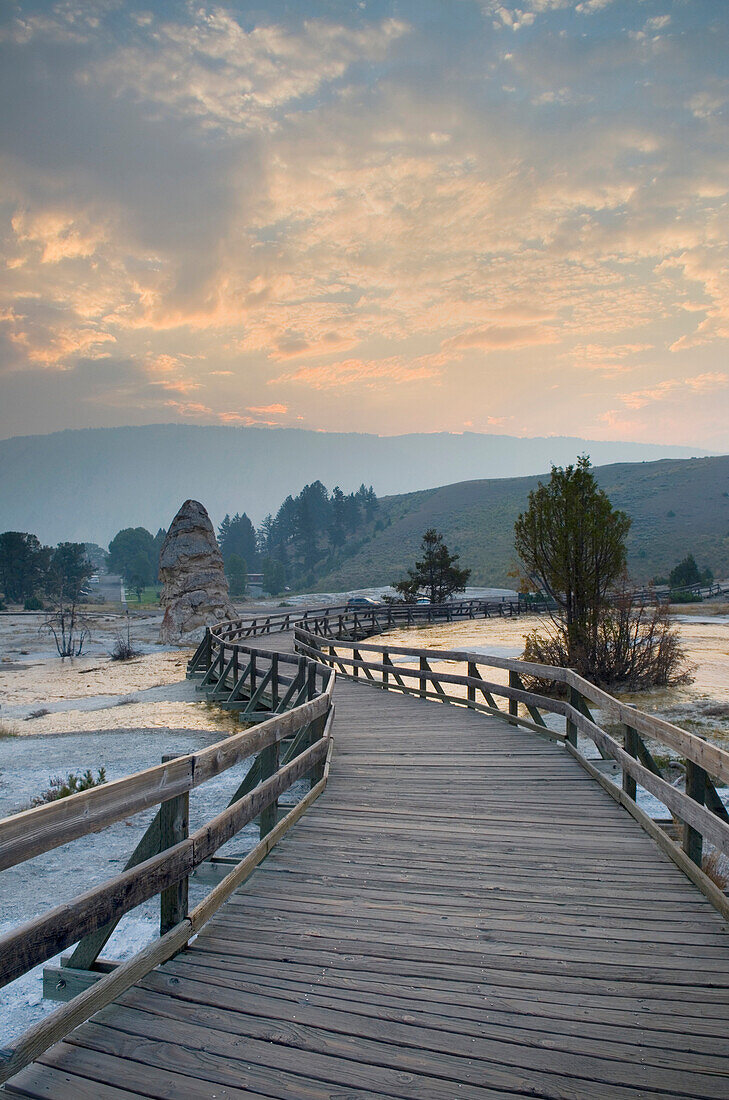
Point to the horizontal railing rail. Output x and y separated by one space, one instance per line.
293 696
664 593
362 621
461 680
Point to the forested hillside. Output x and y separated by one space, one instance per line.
678 507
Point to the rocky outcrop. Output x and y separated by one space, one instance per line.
195 593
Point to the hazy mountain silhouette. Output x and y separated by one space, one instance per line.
87 484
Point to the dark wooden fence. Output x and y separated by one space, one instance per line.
361 621
291 743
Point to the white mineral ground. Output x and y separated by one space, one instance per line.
124 716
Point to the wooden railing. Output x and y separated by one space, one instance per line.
352 621
697 809
293 743
663 593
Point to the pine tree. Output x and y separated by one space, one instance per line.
436 576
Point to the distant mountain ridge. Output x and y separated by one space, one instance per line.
86 484
678 507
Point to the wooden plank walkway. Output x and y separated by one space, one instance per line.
464 913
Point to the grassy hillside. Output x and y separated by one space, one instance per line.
678 506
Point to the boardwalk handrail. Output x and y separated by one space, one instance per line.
699 808
301 691
350 620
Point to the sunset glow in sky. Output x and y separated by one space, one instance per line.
387 217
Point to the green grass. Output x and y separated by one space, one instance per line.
150 596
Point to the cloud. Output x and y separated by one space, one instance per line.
359 373
327 204
500 337
217 72
190 409
708 382
608 359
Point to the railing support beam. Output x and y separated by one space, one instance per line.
174 827
693 842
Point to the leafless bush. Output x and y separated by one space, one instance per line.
714 866
634 648
123 647
123 650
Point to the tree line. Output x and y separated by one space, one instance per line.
288 546
30 572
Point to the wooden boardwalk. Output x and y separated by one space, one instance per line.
442 923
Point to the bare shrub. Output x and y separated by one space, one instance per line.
635 648
714 866
123 649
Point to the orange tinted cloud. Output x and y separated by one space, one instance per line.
501 337
358 372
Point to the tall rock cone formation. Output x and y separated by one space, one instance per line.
195 593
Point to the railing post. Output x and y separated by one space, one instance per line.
693 842
471 690
173 828
630 744
574 700
274 682
269 766
513 703
317 729
421 680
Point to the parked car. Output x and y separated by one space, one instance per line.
356 602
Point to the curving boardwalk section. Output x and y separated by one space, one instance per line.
440 924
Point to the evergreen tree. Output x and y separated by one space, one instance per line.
337 529
23 564
436 576
274 577
238 536
688 573
312 521
572 543
237 573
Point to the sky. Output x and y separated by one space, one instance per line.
427 215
